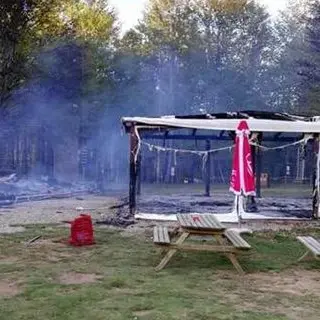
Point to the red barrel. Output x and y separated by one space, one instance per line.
82 231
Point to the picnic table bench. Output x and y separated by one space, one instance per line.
228 242
161 235
312 245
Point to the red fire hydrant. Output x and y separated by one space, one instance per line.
82 231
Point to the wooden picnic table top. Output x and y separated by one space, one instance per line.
200 222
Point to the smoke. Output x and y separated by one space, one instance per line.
41 119
65 121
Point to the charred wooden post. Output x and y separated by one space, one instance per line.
173 173
134 149
167 160
301 163
316 177
253 157
208 168
258 165
157 180
251 202
138 165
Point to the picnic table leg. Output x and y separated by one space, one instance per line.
171 252
175 231
307 254
173 234
231 256
303 256
221 240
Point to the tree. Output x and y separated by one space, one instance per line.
236 44
310 62
55 63
169 31
31 26
13 23
289 33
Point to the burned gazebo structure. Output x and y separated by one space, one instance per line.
281 128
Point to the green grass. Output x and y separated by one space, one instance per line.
194 286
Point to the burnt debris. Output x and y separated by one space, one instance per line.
14 189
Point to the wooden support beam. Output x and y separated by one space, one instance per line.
161 167
133 170
165 139
231 134
254 158
139 174
194 136
251 202
258 166
315 180
207 177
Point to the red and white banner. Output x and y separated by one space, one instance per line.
242 177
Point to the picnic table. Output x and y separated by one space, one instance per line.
226 241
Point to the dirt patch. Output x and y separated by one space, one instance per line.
78 278
55 211
58 242
40 242
8 260
8 289
293 293
57 256
298 282
52 258
128 291
142 313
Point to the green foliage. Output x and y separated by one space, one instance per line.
170 22
94 22
39 25
13 23
208 55
310 65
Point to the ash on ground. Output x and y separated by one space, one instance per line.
14 189
223 203
122 216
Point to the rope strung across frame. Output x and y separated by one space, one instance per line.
304 140
205 154
152 147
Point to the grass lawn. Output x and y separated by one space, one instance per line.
115 279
